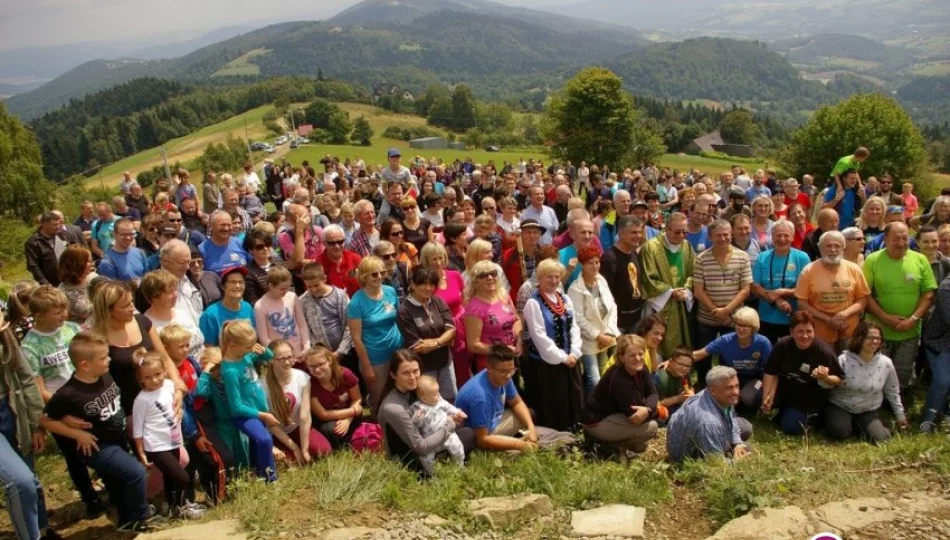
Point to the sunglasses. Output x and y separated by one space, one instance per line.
334 242
376 275
395 233
485 275
407 208
261 246
175 220
489 208
388 256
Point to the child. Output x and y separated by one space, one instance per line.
324 308
279 314
18 308
429 415
157 433
910 201
672 382
209 459
93 397
211 389
246 399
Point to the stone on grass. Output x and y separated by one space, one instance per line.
225 529
434 520
616 520
346 533
771 523
501 512
848 515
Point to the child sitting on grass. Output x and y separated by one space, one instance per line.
429 415
672 381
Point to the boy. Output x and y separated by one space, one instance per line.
93 397
672 382
907 197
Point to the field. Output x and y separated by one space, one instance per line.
241 66
931 69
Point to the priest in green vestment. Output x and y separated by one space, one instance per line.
668 281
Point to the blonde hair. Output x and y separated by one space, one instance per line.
265 226
428 382
108 295
944 229
766 199
278 275
46 298
276 399
549 266
237 332
746 315
628 341
429 250
368 266
173 333
485 220
209 354
476 251
84 346
19 299
862 221
144 359
576 202
478 268
158 282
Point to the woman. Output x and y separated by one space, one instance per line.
870 378
742 236
415 228
779 208
799 218
551 371
800 373
653 330
75 271
231 306
371 318
401 437
160 289
393 231
761 221
335 398
944 235
622 410
148 239
211 194
854 243
456 246
744 350
257 244
115 319
928 242
667 193
774 275
470 212
433 213
288 399
427 189
490 316
396 274
451 289
428 329
871 219
596 313
938 216
483 250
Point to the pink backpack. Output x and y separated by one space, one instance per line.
368 437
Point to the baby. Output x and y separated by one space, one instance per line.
429 414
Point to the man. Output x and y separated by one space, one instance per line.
722 279
519 265
44 247
697 234
166 233
667 281
892 214
620 266
483 399
758 187
523 194
121 209
486 187
827 221
794 195
367 236
191 218
737 205
622 207
72 233
540 213
192 237
339 264
221 250
598 191
137 199
583 178
887 191
850 163
582 234
86 217
903 288
301 242
740 178
774 274
123 261
392 206
230 199
833 291
846 196
103 230
449 197
195 294
125 186
250 179
395 172
641 211
707 423
726 186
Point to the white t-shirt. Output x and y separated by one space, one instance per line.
197 342
294 394
153 419
253 182
583 174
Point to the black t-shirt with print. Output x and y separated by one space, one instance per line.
97 403
793 367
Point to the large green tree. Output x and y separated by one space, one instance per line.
593 119
340 126
463 108
871 120
24 192
362 132
738 127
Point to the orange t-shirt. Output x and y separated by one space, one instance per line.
831 291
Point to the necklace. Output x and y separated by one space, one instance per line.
557 308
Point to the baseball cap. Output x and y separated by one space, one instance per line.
394 152
227 271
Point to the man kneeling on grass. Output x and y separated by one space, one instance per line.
483 399
707 423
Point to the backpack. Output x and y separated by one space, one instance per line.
368 437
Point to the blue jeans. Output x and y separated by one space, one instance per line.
261 446
940 384
124 477
705 333
593 363
25 500
794 421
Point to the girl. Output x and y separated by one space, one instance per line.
335 397
157 432
288 395
279 313
246 400
18 314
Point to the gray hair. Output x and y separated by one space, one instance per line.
718 224
720 374
829 236
301 196
382 246
221 213
361 206
336 229
620 193
563 189
171 247
782 223
848 233
577 214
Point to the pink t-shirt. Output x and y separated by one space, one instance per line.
452 294
910 205
282 318
497 319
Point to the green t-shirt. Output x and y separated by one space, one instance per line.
48 354
897 287
845 163
668 386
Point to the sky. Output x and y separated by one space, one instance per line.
27 23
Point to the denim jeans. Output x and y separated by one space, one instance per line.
593 365
124 477
25 500
793 421
261 446
705 334
939 385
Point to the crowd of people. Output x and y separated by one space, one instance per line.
428 309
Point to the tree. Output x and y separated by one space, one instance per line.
871 120
495 117
473 138
339 127
362 132
647 143
24 192
463 109
738 127
433 93
318 113
591 119
440 113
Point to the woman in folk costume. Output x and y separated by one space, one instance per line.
668 281
552 369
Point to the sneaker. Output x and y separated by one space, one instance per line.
137 526
95 509
927 427
198 506
188 512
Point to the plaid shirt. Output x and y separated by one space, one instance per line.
362 243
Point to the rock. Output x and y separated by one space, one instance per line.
772 523
501 512
616 520
433 520
225 529
848 515
347 533
922 501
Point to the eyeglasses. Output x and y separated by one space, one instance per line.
488 208
395 233
334 242
126 234
485 275
388 256
284 358
681 364
259 247
316 366
678 232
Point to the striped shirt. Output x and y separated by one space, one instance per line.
722 283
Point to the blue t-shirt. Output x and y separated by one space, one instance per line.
219 258
753 192
380 334
846 208
483 402
778 272
133 264
104 233
748 362
700 240
216 315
